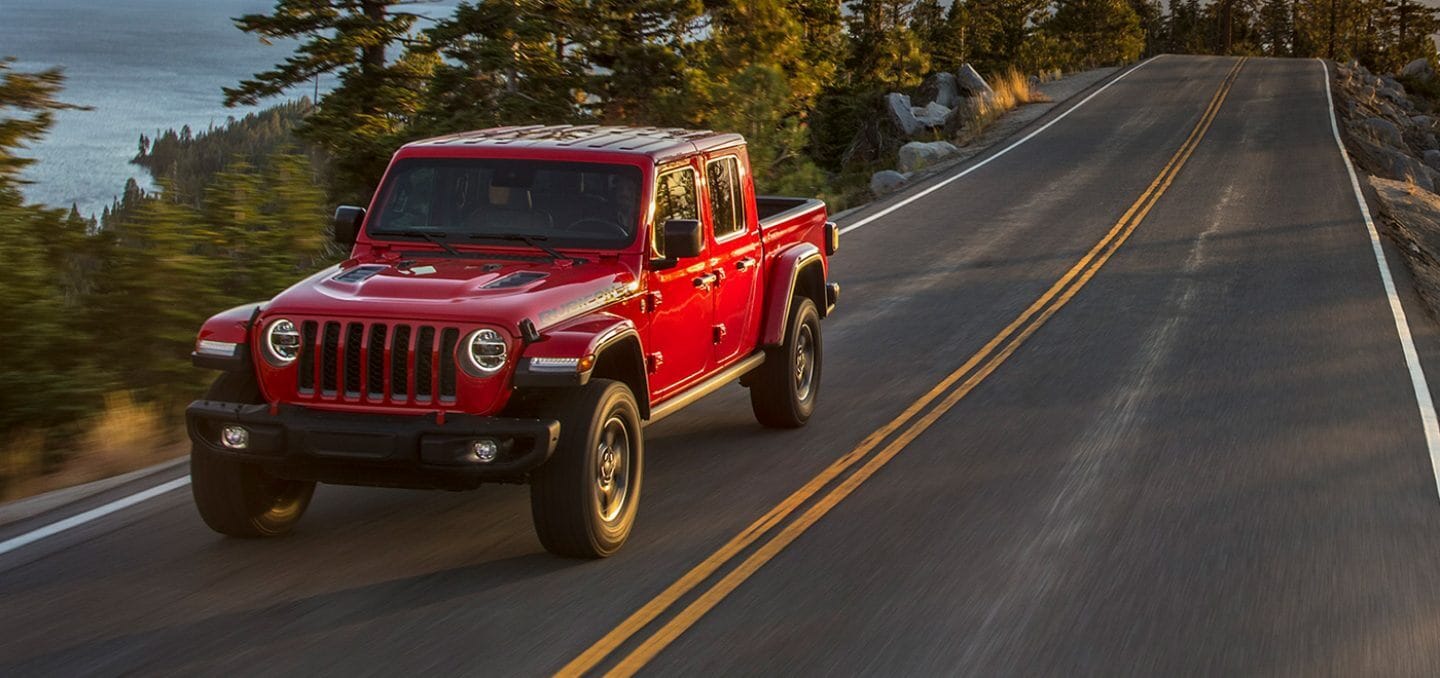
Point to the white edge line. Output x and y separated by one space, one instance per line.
1407 344
937 186
91 515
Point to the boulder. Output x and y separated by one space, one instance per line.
1432 159
1419 68
1380 130
1423 122
1384 161
885 181
939 88
971 84
918 155
932 115
1412 218
897 105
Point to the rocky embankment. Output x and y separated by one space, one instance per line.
1392 136
915 127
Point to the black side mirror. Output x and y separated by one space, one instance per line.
347 223
684 238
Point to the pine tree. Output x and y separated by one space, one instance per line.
999 31
636 51
885 51
42 376
1097 32
506 62
358 121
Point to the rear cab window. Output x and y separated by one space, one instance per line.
727 196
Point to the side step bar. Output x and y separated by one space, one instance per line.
704 388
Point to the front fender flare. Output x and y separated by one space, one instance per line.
231 326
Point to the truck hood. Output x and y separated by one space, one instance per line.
468 290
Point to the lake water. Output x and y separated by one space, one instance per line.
143 65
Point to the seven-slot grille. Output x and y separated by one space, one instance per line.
377 362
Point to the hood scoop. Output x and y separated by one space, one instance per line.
517 279
358 274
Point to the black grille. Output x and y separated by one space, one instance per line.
378 362
329 358
424 375
354 337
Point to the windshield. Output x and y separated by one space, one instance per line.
582 205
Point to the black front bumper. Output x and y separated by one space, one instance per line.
413 451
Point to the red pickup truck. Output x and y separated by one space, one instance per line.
518 303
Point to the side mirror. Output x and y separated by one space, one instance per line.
347 223
684 238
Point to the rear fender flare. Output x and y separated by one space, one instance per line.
799 269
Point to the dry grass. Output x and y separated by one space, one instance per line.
1012 90
124 437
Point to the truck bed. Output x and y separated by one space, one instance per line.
774 209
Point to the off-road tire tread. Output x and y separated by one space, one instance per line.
559 502
219 486
772 391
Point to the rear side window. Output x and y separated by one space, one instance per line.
727 203
674 199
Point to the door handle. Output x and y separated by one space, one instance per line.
744 264
706 280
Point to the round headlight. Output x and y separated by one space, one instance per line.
282 342
484 351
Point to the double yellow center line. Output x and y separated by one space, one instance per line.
914 420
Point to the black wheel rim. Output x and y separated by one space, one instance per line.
804 363
612 468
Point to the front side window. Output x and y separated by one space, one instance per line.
674 199
727 200
584 205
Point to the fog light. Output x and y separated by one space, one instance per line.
485 450
235 437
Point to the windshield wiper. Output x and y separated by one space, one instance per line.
536 241
430 236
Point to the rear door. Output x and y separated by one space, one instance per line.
679 343
734 236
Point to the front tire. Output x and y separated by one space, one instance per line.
584 499
786 386
240 499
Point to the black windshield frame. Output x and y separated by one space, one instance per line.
571 205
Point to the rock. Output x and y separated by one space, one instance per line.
932 115
971 84
1432 158
1423 122
1380 130
1389 163
897 105
1419 68
939 88
918 155
1412 218
885 181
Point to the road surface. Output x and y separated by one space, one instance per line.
1142 409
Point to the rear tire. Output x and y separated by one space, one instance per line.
240 499
784 389
584 499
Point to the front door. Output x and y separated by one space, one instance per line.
679 344
734 258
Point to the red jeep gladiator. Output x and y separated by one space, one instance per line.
518 304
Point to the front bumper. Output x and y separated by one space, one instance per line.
413 451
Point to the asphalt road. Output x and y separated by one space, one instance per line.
1208 460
